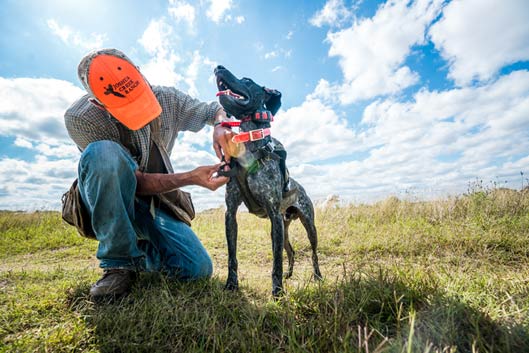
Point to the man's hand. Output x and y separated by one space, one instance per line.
205 176
222 143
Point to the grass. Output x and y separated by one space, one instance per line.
449 275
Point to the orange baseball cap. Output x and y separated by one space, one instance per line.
117 84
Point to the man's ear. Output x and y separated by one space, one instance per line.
272 100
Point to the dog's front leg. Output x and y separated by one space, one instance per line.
277 249
233 200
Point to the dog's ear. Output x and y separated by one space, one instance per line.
272 100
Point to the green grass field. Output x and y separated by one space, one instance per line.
443 276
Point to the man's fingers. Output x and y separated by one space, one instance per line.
217 149
208 179
215 182
219 181
213 169
225 148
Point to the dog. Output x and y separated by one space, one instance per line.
258 176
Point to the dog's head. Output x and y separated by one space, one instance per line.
243 97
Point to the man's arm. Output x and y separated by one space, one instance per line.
154 183
189 114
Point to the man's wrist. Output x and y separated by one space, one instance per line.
220 116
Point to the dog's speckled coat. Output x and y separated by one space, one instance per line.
264 184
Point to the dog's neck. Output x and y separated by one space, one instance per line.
248 125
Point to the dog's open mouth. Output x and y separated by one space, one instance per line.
230 93
224 90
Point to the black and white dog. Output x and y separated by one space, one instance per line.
259 177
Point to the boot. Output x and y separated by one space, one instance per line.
114 283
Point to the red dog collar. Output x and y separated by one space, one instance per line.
252 135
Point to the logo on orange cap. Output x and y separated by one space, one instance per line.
115 82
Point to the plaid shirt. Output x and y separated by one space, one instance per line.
87 123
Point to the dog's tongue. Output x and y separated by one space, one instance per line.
228 92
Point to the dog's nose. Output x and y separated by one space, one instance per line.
219 67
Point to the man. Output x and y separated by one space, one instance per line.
126 129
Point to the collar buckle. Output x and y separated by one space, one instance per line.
257 134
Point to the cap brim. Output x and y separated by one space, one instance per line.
138 113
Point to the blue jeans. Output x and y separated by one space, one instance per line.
129 237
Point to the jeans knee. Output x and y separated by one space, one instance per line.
105 158
206 270
201 268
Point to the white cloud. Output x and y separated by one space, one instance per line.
372 51
278 52
75 38
161 70
324 90
479 37
22 142
35 185
157 41
313 132
270 55
33 109
157 38
191 74
49 147
61 150
182 11
428 147
187 156
166 67
334 13
199 139
217 9
240 19
478 123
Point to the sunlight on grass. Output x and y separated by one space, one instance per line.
439 276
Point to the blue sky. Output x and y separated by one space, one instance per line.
407 98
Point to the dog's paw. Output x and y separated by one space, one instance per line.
231 286
278 292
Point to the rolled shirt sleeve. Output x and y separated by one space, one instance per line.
188 113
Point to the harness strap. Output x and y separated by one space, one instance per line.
262 116
265 152
126 139
156 137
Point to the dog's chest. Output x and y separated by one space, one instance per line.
261 187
